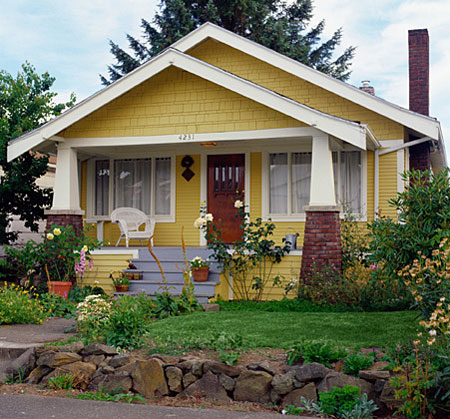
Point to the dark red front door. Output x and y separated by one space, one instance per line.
225 186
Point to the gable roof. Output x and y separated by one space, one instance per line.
348 131
425 125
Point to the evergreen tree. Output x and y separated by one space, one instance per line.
26 102
273 23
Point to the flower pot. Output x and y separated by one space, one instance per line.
121 288
60 288
200 274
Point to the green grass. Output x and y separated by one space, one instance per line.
278 330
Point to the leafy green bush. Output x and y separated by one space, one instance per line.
105 397
18 377
342 403
356 362
322 353
166 305
423 221
61 382
93 315
56 306
78 294
17 306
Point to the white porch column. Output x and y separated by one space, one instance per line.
66 194
322 177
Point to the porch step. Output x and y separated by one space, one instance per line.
172 263
201 298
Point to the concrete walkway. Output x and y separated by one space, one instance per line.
32 407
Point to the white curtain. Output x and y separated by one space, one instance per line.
278 173
350 193
102 187
132 180
162 186
301 181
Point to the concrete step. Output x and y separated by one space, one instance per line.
167 266
201 298
200 288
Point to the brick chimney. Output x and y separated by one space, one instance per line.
419 90
366 87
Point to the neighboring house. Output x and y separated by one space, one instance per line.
290 141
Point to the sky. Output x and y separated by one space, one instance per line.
70 41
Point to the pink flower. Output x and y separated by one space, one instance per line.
373 267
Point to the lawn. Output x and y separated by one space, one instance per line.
277 330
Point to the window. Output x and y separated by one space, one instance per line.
289 181
347 179
145 184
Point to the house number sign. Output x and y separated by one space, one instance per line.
186 137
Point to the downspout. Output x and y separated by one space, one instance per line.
379 153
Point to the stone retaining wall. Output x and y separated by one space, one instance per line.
96 366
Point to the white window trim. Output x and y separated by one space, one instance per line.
301 217
90 204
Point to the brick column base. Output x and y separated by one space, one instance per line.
64 218
322 240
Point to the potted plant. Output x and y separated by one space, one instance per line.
121 282
199 269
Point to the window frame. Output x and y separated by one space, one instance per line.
301 217
91 173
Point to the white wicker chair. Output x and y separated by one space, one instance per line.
129 221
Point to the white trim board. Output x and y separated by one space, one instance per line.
348 131
421 123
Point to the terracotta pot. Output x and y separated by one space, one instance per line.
200 274
60 288
121 288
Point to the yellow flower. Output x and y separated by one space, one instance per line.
85 248
418 298
50 236
56 231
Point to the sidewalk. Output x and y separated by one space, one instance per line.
31 407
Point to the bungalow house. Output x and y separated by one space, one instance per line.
217 117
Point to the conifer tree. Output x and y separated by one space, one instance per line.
285 28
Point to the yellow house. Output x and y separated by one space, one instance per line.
215 118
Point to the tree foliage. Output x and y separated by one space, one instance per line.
423 221
26 102
285 28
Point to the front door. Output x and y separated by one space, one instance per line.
225 186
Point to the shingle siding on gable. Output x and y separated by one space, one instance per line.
273 78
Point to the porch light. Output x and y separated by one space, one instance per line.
209 144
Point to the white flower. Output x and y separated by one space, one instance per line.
50 236
199 222
238 204
432 332
209 218
56 231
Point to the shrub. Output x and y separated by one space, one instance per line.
61 382
322 353
248 268
105 397
78 294
424 220
92 315
56 306
17 306
356 362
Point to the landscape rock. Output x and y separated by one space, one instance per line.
262 366
174 378
220 368
148 378
35 376
208 386
227 382
294 397
94 359
336 379
80 371
23 364
253 386
167 359
114 383
107 369
379 385
75 347
127 367
188 379
310 372
56 359
274 396
388 396
283 384
99 349
119 360
197 367
373 375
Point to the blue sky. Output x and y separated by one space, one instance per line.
70 41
